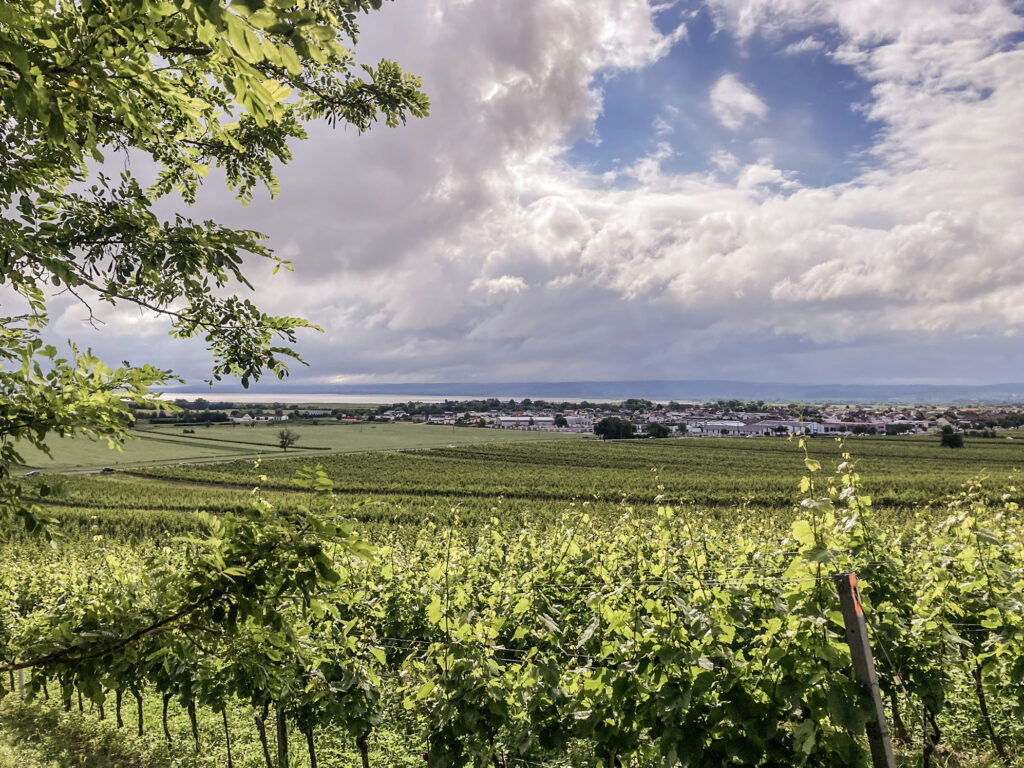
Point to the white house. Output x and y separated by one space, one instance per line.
775 427
525 422
847 427
712 427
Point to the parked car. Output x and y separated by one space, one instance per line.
108 469
33 473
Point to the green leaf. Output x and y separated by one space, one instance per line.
521 607
435 612
425 689
804 736
801 531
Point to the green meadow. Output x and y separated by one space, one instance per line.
224 442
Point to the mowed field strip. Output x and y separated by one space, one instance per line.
225 442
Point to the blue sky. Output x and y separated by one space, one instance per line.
813 125
774 190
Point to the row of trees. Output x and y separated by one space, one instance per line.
614 428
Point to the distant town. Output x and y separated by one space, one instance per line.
630 418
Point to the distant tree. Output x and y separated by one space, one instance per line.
952 440
654 429
614 428
682 429
637 404
560 421
286 438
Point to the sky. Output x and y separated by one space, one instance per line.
759 190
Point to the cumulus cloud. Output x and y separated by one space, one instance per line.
724 160
468 247
735 104
503 284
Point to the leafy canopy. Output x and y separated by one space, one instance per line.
614 428
286 438
185 86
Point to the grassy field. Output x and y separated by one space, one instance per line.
171 445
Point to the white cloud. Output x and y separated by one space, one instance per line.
503 284
735 104
764 173
724 160
808 45
662 127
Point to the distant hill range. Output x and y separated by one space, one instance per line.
683 391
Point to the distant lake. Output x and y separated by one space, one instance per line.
383 398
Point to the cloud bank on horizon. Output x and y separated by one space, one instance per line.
747 189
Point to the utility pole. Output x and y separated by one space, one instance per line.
864 668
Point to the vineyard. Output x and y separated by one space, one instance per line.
570 604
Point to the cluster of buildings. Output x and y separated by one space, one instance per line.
725 418
239 417
711 421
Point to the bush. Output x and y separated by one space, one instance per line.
654 429
952 440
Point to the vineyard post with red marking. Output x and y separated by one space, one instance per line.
864 668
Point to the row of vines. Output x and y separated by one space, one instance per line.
722 472
668 640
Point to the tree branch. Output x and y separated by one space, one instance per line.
185 50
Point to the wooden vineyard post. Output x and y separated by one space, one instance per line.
864 668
